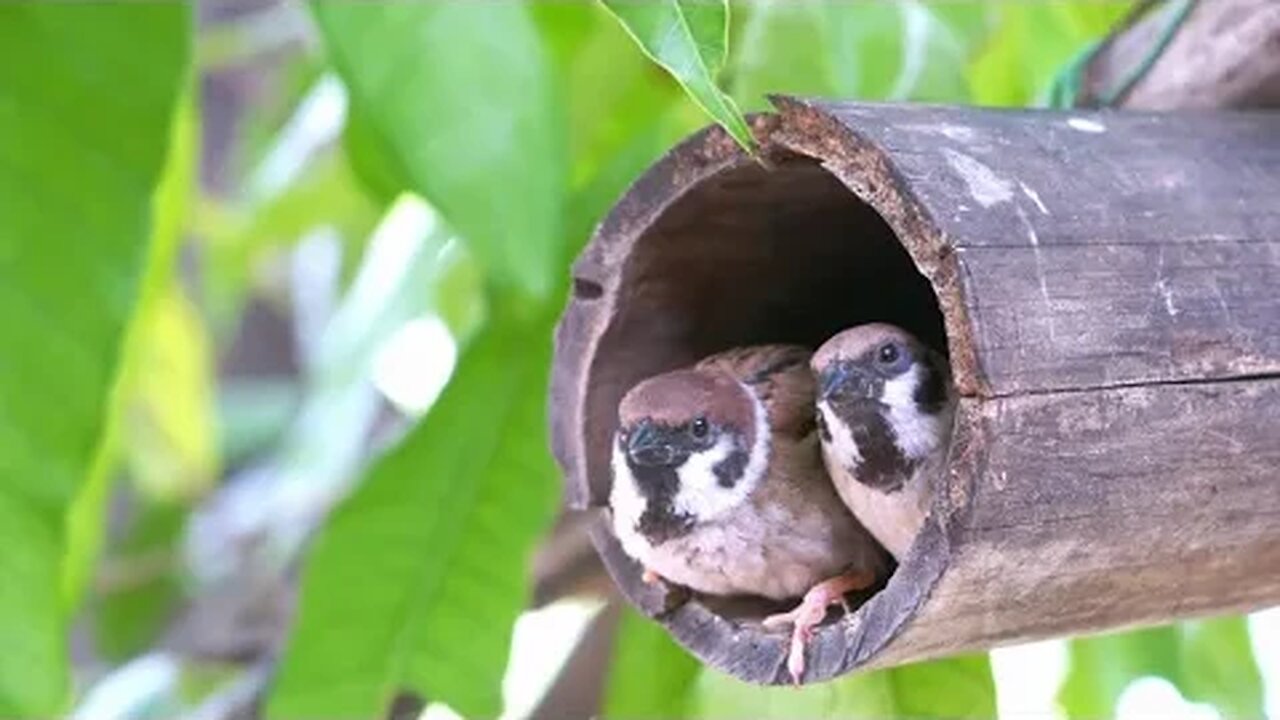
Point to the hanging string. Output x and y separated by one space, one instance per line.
1067 85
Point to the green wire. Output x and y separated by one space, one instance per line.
1064 92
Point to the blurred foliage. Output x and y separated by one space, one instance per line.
838 49
77 196
959 687
431 549
168 432
471 122
1209 661
690 39
650 676
395 166
1032 44
138 586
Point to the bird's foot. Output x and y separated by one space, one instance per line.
809 613
650 577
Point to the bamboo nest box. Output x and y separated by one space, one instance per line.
1105 287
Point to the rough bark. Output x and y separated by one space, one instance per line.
1226 54
1104 284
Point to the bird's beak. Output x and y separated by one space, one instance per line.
843 378
648 446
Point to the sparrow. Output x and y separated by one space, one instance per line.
718 485
884 412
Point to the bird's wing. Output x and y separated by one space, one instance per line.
780 376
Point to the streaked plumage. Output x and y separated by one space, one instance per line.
885 407
719 485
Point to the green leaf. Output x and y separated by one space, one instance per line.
169 437
622 120
1100 667
431 551
79 160
372 159
650 676
897 51
169 203
1208 661
1032 43
1218 666
689 38
955 687
461 96
786 47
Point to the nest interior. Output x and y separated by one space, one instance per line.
750 255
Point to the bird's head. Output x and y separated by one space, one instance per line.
884 401
690 446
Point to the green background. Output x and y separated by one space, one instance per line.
278 282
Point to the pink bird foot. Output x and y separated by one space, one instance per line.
806 616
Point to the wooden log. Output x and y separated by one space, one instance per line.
1225 54
1105 286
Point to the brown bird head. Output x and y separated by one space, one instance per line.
691 444
884 402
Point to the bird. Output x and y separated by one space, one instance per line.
718 486
884 412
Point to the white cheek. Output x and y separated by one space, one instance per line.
627 505
918 434
701 495
841 445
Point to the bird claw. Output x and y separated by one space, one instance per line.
650 577
809 613
803 619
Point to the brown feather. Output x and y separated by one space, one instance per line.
779 375
793 531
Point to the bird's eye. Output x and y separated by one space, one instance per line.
698 428
888 353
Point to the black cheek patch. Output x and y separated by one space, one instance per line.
931 393
729 470
659 484
660 523
883 465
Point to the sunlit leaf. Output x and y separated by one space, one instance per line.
899 51
1218 666
689 38
1091 19
431 551
1208 661
1100 667
622 120
79 161
1032 43
958 687
784 47
460 95
168 434
650 676
607 111
372 158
